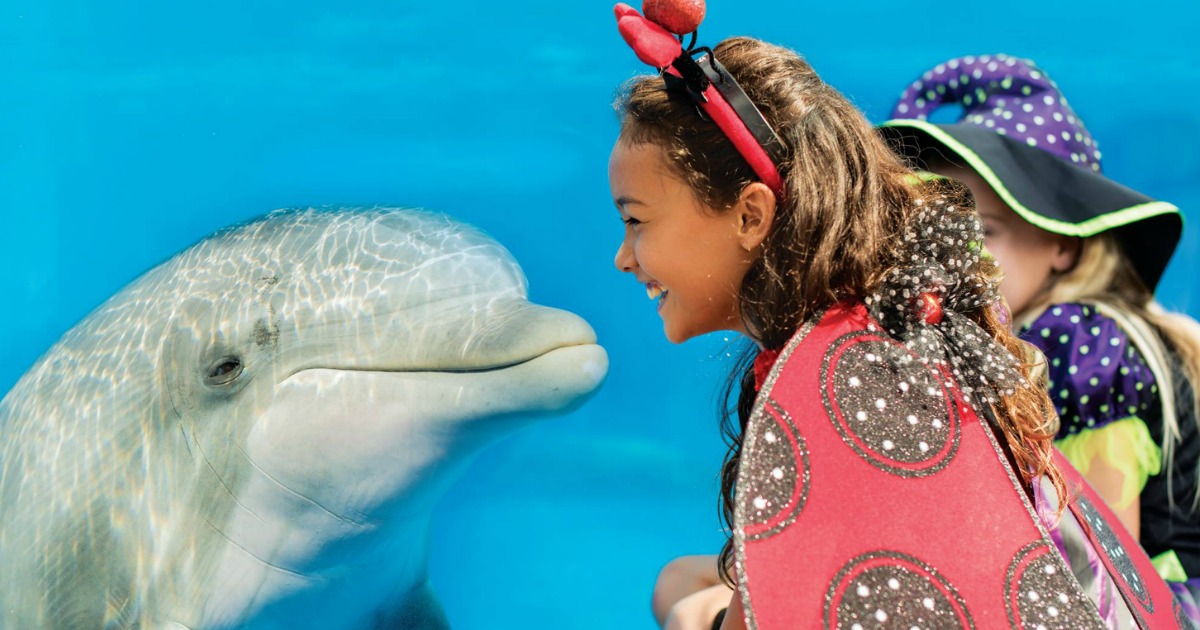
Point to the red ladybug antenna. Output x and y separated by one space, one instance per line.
657 39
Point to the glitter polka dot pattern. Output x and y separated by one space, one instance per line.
888 406
773 484
943 244
886 589
1096 375
908 571
1042 593
1007 95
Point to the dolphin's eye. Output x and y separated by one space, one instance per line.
224 371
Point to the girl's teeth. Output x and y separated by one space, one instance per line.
653 291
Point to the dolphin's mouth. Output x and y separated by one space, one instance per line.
504 366
555 381
516 336
481 369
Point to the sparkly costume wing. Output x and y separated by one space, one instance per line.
870 494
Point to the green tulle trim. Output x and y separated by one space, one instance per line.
1125 445
1169 567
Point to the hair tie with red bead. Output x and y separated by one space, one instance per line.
921 302
930 307
657 39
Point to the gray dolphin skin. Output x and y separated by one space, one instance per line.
254 433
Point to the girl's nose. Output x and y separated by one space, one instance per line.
625 260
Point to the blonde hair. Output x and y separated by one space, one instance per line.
1104 276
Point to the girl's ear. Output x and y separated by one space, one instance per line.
755 210
1067 254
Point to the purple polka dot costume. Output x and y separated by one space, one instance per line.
1009 96
1096 375
1020 135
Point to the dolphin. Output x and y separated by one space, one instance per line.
253 434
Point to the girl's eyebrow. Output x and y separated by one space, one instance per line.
624 201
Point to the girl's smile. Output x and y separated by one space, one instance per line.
655 291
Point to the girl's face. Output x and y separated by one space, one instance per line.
690 258
1029 256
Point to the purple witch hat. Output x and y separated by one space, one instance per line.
1018 132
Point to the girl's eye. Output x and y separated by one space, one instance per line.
631 221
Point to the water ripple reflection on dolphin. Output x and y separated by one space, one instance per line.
253 434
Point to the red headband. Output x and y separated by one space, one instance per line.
708 83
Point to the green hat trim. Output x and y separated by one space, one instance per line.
1091 227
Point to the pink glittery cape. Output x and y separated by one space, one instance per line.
870 492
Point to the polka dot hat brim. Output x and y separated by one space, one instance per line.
1020 134
1049 192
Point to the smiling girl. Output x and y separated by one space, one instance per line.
887 445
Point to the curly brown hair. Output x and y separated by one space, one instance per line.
834 237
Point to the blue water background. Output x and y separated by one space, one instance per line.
128 130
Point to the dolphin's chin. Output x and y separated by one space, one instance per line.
559 380
554 381
394 433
